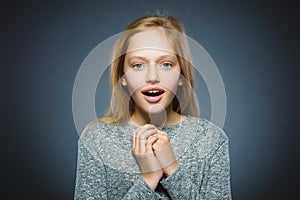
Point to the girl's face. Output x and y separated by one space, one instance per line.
151 71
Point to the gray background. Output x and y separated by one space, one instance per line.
255 46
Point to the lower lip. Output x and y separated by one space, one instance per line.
153 99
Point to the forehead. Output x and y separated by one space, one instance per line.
154 38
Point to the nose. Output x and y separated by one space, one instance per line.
152 74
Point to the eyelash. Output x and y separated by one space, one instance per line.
134 66
170 65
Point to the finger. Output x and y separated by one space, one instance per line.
160 141
147 127
163 135
155 146
142 144
153 136
148 133
141 135
136 141
150 141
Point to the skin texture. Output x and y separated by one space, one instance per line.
145 141
142 145
150 61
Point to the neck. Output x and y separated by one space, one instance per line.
165 118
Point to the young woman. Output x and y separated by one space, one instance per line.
153 144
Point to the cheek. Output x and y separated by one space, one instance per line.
169 80
134 80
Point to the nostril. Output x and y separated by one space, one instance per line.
152 73
152 79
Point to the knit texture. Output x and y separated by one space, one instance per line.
106 168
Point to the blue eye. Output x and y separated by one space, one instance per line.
138 66
166 65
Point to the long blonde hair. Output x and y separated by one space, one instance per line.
184 102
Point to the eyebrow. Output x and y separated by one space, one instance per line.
159 58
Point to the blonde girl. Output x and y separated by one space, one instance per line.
153 144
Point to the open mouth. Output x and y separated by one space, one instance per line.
153 93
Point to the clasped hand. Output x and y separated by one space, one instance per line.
153 152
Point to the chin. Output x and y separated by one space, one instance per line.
156 109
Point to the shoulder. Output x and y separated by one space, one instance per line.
208 132
96 135
104 120
216 131
96 127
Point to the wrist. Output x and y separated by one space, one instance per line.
169 170
152 183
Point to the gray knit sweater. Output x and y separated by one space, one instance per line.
106 168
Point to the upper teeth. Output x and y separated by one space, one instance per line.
153 91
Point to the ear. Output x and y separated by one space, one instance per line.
180 82
123 81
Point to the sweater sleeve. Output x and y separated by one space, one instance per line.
92 182
90 178
141 190
218 177
216 183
